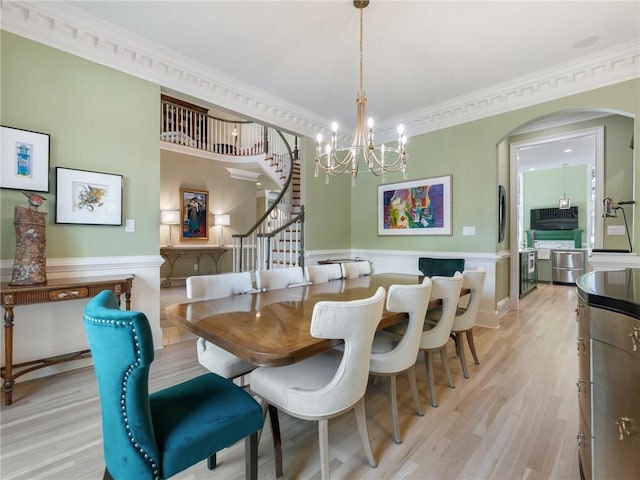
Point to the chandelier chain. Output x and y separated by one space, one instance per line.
361 51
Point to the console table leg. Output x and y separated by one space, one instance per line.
8 355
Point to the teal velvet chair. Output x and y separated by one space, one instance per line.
155 436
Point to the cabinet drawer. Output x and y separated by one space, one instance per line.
584 402
69 293
584 450
562 259
616 412
616 329
583 347
582 317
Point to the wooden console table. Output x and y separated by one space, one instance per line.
174 252
55 290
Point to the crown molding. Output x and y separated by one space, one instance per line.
72 31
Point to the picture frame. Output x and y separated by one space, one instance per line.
194 214
24 162
417 207
88 198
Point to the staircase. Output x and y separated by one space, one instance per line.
286 248
277 238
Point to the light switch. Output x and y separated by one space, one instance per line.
468 231
616 230
130 225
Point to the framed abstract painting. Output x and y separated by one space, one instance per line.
417 207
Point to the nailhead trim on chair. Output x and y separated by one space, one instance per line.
118 323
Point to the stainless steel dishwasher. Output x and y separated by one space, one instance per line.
566 266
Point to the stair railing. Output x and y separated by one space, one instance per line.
187 127
253 250
289 238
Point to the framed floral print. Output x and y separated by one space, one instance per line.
88 198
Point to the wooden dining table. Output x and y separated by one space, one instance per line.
272 328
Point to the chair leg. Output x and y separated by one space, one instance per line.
323 443
277 439
251 456
361 420
212 462
445 364
411 373
428 361
461 354
393 408
472 346
265 409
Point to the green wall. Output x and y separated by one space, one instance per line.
103 120
475 154
327 207
98 119
543 188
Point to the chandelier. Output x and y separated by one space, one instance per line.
335 160
565 202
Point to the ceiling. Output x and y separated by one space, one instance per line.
304 55
416 53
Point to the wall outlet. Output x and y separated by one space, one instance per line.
616 230
468 231
130 225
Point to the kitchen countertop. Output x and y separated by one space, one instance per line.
618 291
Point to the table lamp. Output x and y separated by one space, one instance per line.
170 217
222 220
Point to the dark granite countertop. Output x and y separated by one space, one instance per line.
618 290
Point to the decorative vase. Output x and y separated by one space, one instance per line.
30 263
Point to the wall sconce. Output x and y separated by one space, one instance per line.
222 220
170 217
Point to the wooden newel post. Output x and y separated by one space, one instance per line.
30 263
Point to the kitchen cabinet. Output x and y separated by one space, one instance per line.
566 266
608 349
528 271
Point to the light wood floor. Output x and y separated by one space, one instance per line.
516 417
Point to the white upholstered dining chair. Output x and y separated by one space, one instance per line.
356 269
275 278
435 336
323 273
330 383
203 287
465 318
392 355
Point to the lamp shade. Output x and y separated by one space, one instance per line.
170 217
220 219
